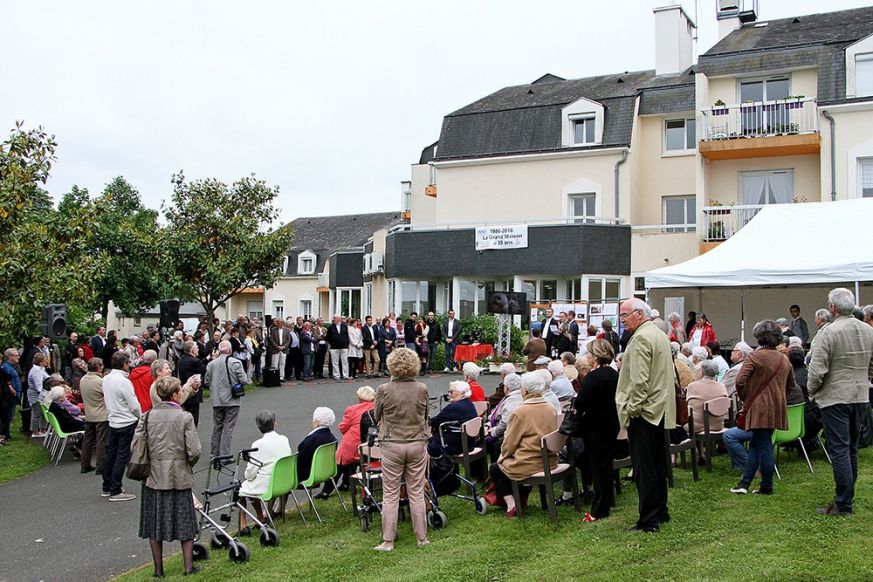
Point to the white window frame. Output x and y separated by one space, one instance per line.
602 279
862 162
690 224
304 312
689 148
278 309
581 109
571 210
586 119
766 79
867 59
301 261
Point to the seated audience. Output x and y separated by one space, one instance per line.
272 446
347 453
702 391
459 410
322 419
505 369
501 414
559 384
548 394
471 375
738 355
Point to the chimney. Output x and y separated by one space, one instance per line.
732 14
674 40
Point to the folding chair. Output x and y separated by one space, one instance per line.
795 432
471 429
282 483
621 463
60 442
481 407
323 469
716 407
545 479
689 444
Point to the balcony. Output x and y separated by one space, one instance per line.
722 222
323 282
753 130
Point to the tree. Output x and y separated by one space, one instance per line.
43 258
126 234
220 238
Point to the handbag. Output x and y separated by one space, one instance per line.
237 390
681 401
741 415
138 466
572 423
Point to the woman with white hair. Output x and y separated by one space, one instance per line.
458 411
506 368
501 414
57 397
271 447
520 454
700 391
548 394
471 376
559 382
699 354
322 419
347 454
401 410
677 328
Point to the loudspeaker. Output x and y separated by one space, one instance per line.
268 322
169 313
54 321
271 378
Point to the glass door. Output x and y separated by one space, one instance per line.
758 112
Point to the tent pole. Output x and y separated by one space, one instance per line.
858 292
742 315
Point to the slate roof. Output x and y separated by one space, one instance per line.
324 235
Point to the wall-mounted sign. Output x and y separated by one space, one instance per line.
501 237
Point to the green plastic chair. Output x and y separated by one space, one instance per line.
61 443
323 469
50 436
796 431
282 483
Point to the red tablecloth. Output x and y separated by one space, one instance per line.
473 353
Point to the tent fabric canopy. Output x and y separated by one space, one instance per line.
785 244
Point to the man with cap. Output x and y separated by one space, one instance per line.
542 362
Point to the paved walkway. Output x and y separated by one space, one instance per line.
57 527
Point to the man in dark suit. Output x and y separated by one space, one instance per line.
409 331
212 345
451 330
338 341
189 365
280 341
551 330
434 335
370 335
98 342
322 419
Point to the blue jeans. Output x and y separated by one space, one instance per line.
431 349
842 425
734 440
760 455
411 346
308 359
450 355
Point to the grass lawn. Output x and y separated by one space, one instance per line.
713 535
22 456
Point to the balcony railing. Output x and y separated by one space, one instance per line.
762 119
722 222
324 279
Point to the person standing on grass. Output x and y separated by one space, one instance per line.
10 392
840 369
646 404
124 412
35 379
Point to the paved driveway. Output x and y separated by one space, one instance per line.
57 527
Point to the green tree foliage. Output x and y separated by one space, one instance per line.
219 239
126 235
43 252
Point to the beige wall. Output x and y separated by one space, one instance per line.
656 174
533 189
803 82
648 250
723 184
423 207
291 290
854 141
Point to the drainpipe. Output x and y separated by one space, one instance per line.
830 118
622 160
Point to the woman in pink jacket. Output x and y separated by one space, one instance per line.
350 427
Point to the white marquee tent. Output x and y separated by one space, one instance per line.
788 253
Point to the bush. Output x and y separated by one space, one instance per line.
486 327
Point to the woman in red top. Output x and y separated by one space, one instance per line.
347 453
702 333
471 375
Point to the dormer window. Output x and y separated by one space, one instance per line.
306 263
582 123
864 75
583 130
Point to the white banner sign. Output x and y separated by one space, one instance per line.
501 237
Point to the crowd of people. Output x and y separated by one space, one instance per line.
625 393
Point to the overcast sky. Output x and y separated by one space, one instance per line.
331 101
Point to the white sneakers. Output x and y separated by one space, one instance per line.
122 497
739 490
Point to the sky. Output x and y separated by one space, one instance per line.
331 101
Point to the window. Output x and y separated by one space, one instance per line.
305 308
679 134
680 213
772 187
600 290
137 321
865 177
864 74
306 263
255 309
595 290
583 207
278 309
583 130
550 290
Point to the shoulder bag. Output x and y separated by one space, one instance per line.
138 467
741 416
237 390
681 400
572 423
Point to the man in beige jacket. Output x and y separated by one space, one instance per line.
96 417
646 402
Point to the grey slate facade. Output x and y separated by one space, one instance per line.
559 250
346 269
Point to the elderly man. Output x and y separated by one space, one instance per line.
646 404
191 365
560 385
279 344
868 314
96 416
221 374
338 341
10 391
505 370
123 412
840 370
738 355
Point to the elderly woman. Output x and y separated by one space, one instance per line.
677 328
401 410
471 376
458 411
501 414
763 384
505 370
347 454
600 426
520 454
35 379
79 368
322 419
699 355
271 447
559 383
700 391
167 511
548 394
356 347
63 410
161 369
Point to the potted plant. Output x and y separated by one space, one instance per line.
716 231
747 106
717 208
794 101
719 108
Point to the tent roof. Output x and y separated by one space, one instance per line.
785 244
